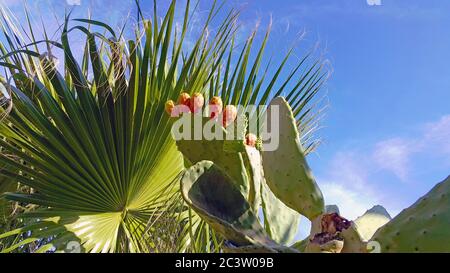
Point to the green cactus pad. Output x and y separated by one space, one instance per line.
301 245
287 172
225 154
371 221
333 246
210 192
423 227
253 163
280 221
353 242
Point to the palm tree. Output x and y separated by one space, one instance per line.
86 148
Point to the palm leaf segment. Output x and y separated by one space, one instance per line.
95 138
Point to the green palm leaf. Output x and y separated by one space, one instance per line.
96 141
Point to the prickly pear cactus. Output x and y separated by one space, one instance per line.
280 221
353 242
209 192
423 227
368 223
252 159
286 171
332 246
225 154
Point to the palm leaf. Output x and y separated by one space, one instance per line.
96 141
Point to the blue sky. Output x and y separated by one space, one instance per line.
387 128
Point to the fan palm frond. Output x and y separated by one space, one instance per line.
99 157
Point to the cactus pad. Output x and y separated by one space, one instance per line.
224 153
371 220
423 227
280 221
210 193
287 172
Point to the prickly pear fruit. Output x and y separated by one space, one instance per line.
332 223
215 107
325 235
229 115
250 140
184 99
196 103
210 192
371 220
169 107
423 227
287 172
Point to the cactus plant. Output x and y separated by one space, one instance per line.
244 165
368 223
228 181
209 191
423 227
286 170
229 160
280 222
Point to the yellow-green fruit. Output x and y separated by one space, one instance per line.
169 107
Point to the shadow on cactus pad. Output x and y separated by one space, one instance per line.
211 193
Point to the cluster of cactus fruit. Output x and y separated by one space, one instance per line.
194 104
229 185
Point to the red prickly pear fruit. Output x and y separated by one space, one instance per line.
215 107
180 109
229 115
250 140
196 102
169 107
184 99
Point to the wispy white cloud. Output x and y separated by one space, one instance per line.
352 203
347 184
10 3
394 155
373 2
353 179
73 2
437 135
